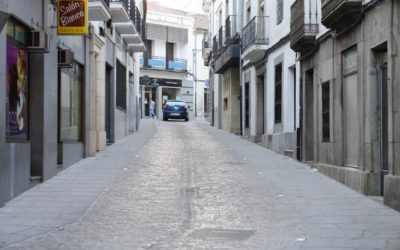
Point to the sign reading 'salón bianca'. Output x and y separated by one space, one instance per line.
72 17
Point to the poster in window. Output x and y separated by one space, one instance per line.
16 99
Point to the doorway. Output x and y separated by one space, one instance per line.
260 105
309 116
149 94
246 105
383 113
108 103
169 54
350 108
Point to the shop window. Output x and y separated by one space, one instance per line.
278 93
121 86
325 95
17 108
70 113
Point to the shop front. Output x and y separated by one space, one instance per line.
159 90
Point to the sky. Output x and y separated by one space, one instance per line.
194 6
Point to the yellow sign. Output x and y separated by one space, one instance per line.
72 17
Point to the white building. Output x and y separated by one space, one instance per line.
171 68
253 67
269 76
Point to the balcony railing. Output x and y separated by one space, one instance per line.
215 45
143 30
138 20
177 65
221 37
255 32
161 63
125 3
230 27
303 26
206 41
132 10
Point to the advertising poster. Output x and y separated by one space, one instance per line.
16 100
72 17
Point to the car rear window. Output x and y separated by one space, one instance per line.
175 104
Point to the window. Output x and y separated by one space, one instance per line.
325 112
350 62
279 11
121 86
248 15
17 108
225 104
70 113
261 8
278 93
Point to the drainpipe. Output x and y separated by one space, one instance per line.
393 53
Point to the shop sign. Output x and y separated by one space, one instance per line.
160 82
72 17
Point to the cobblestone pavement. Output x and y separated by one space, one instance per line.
195 187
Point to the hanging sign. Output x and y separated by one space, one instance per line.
72 17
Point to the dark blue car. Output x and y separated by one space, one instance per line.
175 110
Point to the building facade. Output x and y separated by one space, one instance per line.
318 82
254 72
349 88
64 98
170 68
221 52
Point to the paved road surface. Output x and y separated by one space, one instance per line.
177 185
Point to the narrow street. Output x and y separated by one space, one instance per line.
177 185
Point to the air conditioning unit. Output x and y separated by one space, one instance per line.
65 58
38 41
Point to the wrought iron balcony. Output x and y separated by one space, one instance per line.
230 28
221 37
215 45
338 14
161 63
206 41
206 48
255 33
303 26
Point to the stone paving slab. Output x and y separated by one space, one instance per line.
66 197
195 187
